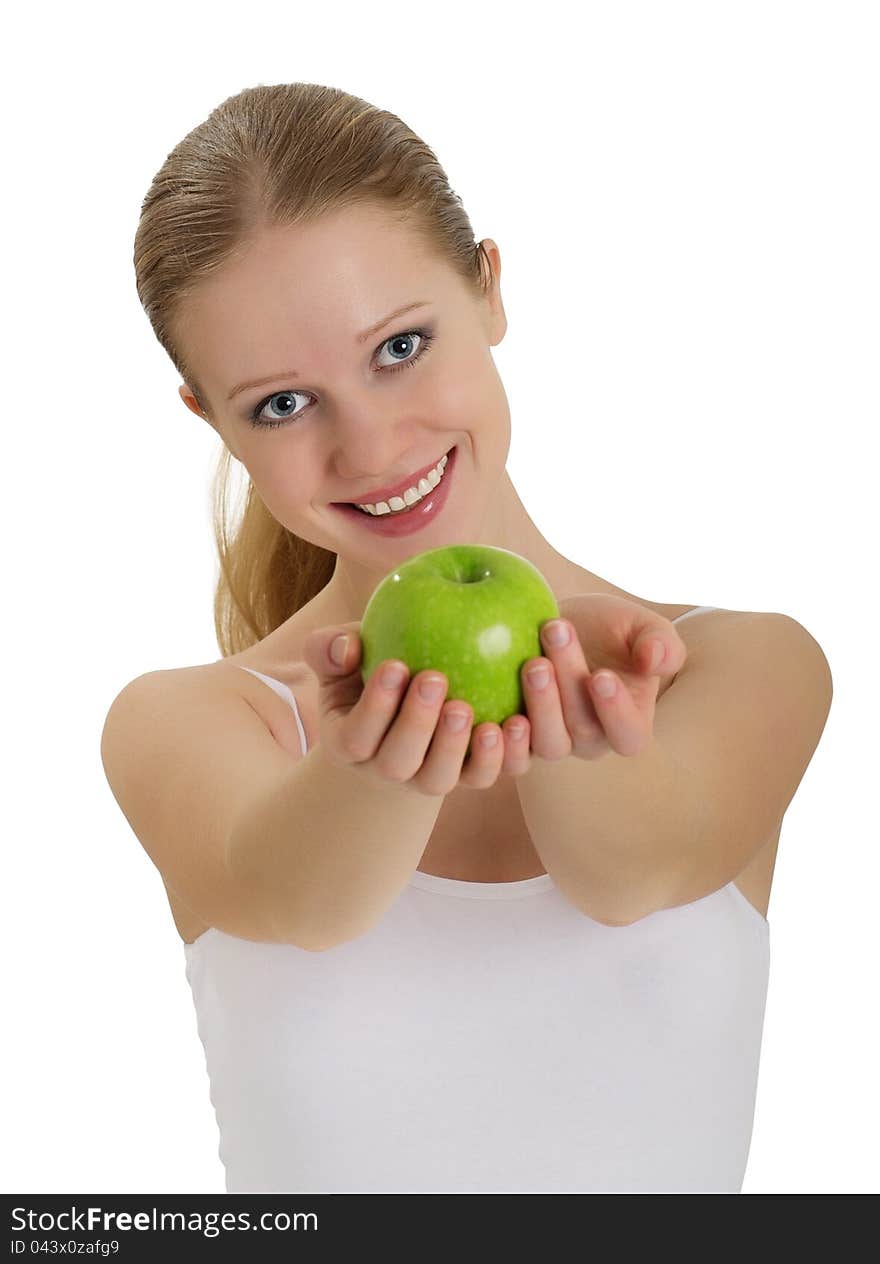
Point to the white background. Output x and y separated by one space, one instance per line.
685 196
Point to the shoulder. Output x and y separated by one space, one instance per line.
670 610
278 712
694 620
699 615
185 685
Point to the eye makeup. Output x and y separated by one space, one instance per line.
427 339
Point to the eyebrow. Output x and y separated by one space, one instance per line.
289 373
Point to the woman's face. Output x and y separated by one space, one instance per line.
329 414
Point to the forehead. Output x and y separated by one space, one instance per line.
351 261
299 289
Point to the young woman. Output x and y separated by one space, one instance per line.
420 965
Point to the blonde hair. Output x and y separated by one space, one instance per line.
276 156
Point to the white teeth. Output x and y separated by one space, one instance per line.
412 495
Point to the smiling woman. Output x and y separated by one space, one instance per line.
554 1016
216 295
354 429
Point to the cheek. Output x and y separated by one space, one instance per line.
278 481
486 398
458 397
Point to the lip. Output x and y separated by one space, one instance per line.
415 519
385 493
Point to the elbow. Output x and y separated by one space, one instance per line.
621 916
622 908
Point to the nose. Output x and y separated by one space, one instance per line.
375 450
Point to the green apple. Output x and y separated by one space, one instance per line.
470 611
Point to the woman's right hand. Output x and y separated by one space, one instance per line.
396 735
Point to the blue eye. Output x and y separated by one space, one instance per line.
426 338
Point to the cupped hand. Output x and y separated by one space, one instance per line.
610 639
397 736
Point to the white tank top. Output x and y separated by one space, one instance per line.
487 1037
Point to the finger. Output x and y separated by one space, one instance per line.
571 673
374 712
340 683
485 757
317 647
441 767
659 651
517 751
626 729
550 737
404 745
339 686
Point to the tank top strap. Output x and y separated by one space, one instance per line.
696 610
286 693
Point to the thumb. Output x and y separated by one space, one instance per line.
334 651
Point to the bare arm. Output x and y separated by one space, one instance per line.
324 847
327 852
733 736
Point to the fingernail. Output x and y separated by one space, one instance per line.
556 634
337 650
605 685
430 689
537 677
392 676
455 721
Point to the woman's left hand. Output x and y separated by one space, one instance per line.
610 639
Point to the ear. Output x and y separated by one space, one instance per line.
193 404
186 394
496 314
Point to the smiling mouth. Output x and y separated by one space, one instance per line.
409 518
421 488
